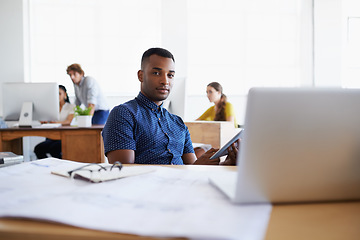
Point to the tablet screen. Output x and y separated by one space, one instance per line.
223 151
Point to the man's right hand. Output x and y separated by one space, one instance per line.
205 158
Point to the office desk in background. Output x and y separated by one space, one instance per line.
215 133
77 144
86 144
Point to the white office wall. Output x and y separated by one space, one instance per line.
351 44
307 43
174 36
328 42
11 43
337 43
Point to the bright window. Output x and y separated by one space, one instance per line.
235 42
242 44
107 37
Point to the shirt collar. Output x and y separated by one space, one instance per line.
148 103
81 81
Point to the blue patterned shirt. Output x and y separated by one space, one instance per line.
156 136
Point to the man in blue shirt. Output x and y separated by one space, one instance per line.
142 131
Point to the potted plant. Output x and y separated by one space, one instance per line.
83 116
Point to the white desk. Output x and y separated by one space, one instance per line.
296 222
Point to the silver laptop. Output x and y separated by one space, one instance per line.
299 145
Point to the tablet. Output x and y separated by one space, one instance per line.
223 151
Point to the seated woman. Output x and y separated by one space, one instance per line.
53 147
222 110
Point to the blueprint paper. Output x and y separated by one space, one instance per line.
164 203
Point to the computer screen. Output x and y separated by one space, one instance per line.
43 97
176 102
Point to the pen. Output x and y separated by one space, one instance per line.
38 164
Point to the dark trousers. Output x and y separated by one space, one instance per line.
53 147
100 117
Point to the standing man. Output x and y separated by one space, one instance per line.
88 92
142 131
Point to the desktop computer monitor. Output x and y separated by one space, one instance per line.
176 102
30 103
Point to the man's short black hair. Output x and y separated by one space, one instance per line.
157 51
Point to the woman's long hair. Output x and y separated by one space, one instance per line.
220 106
67 96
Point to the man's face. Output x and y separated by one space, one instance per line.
75 77
156 78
